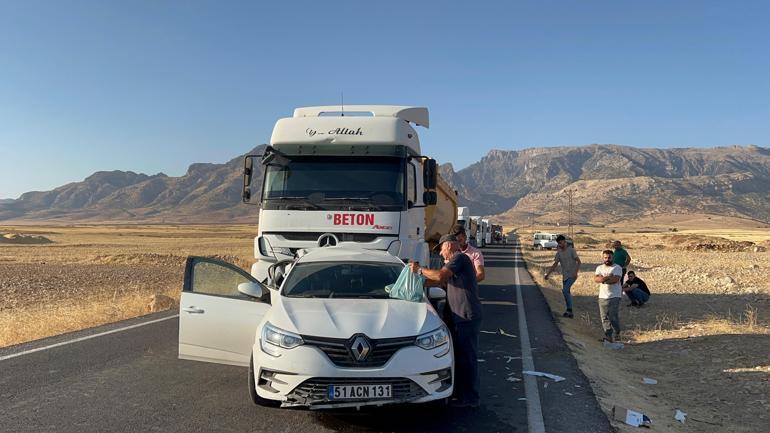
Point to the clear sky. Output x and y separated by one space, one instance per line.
152 86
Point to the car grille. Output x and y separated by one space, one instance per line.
338 352
316 390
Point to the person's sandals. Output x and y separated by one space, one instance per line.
569 314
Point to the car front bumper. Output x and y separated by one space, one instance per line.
302 376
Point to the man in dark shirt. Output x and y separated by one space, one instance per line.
636 290
459 277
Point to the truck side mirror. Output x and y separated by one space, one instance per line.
430 173
430 198
248 170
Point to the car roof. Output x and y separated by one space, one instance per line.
343 253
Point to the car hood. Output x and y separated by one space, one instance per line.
342 318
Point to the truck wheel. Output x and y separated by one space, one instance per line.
255 398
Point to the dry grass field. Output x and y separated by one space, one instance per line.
91 275
704 335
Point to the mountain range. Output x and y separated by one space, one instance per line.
607 183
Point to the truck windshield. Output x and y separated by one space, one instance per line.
335 182
340 280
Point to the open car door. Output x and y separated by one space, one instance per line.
217 323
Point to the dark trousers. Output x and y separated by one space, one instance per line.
465 336
609 313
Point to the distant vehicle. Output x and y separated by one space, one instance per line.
326 336
544 241
487 231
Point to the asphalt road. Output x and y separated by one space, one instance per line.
132 381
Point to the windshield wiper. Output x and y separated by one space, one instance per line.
304 200
305 296
347 198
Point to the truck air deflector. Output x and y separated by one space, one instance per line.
416 115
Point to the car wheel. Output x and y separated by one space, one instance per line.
255 398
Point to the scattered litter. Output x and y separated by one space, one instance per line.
522 399
500 330
545 385
578 386
508 359
569 394
680 416
554 377
648 381
481 360
613 346
630 417
513 379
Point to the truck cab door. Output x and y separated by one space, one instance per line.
217 323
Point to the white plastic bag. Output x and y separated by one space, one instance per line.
408 286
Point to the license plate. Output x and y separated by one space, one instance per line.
347 392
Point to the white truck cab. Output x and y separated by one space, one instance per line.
358 176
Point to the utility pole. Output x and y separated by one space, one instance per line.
570 229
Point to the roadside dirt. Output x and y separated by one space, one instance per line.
704 335
85 276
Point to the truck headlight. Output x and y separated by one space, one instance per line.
433 339
274 338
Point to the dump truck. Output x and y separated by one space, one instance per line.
335 176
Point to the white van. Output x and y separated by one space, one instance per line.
544 241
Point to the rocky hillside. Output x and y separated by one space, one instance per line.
206 193
610 182
607 182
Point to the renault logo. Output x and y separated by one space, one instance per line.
327 240
360 347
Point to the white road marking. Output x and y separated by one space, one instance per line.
534 411
87 337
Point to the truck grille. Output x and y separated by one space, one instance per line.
338 350
343 237
316 390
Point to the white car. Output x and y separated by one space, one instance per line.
544 241
329 337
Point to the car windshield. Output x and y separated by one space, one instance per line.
335 183
340 280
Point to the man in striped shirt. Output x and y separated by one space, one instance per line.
469 250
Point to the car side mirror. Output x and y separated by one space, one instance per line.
253 290
436 293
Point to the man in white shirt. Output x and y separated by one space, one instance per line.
608 276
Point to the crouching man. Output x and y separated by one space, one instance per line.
636 290
459 277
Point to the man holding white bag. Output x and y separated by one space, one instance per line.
459 277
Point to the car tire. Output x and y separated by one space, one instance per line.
255 398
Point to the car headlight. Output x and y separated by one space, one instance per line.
274 338
433 339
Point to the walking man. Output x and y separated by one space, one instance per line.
621 258
570 265
608 276
459 278
636 290
469 250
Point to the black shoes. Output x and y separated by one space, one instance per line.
568 314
